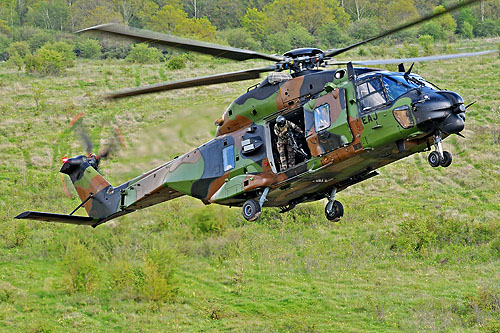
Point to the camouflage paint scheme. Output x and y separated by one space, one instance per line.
348 151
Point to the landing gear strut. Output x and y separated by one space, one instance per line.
252 207
439 157
334 209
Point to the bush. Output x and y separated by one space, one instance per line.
4 44
363 29
240 38
17 61
143 54
63 48
427 43
467 30
432 29
89 49
331 35
487 28
176 62
157 282
278 42
419 235
81 267
209 220
39 39
294 36
4 28
19 48
122 275
411 50
45 62
299 36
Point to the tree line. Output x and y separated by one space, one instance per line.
36 35
274 25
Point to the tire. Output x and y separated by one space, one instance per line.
336 213
446 160
251 210
434 159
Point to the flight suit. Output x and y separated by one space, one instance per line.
283 146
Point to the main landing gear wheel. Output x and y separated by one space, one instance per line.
251 210
336 212
446 160
434 159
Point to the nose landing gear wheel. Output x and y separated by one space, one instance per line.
251 210
446 160
434 159
336 212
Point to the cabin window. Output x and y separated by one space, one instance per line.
322 117
228 158
371 94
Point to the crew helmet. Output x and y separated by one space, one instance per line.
280 121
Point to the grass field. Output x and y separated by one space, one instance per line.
417 250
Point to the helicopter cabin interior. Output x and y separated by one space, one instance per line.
295 116
325 128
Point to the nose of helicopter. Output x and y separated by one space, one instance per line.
440 110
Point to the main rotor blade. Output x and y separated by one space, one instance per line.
215 50
248 74
332 53
417 59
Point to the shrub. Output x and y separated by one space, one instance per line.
411 50
467 30
176 62
427 42
89 49
63 48
122 275
143 54
363 29
157 282
4 44
16 235
278 42
45 62
293 37
81 267
331 35
17 61
495 247
487 28
240 38
115 49
39 39
209 220
4 28
432 29
19 48
299 36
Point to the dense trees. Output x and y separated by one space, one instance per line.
272 25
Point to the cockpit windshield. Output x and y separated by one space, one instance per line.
397 85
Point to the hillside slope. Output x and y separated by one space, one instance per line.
417 249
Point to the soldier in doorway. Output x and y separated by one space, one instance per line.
282 130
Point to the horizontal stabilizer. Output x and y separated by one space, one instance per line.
51 217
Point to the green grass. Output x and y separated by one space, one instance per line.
417 250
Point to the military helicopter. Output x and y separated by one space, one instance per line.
354 120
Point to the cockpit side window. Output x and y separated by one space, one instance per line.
371 94
322 117
394 88
228 158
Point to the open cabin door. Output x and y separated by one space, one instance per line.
326 125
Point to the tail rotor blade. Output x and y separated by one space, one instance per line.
86 140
